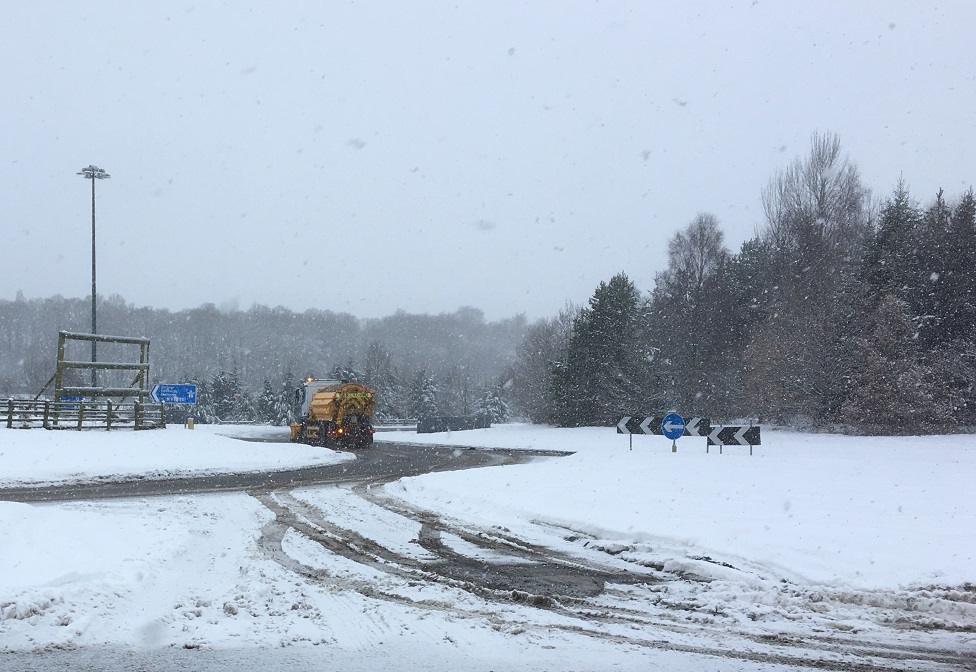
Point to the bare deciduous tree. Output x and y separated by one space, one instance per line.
818 201
696 253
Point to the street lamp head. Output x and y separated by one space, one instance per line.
93 173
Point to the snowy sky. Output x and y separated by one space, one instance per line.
508 155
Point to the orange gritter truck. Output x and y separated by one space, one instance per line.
334 414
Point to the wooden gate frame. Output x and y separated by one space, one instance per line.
140 384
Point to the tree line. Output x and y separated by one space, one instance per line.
840 313
247 364
224 398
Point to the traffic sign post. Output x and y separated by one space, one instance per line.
695 426
174 393
673 427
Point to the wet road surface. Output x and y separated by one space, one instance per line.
381 463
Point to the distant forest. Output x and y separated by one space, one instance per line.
842 312
446 364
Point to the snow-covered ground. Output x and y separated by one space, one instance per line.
864 512
36 456
140 576
846 549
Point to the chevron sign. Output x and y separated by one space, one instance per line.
734 436
652 425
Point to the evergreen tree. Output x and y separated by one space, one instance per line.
242 409
607 360
739 298
265 406
958 318
934 252
205 411
284 411
893 391
229 402
492 405
892 264
382 376
423 396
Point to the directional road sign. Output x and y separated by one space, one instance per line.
652 425
673 426
70 402
174 393
735 436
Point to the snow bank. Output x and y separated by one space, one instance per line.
138 583
853 511
123 571
35 456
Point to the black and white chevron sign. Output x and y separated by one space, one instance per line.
697 427
734 435
652 425
639 425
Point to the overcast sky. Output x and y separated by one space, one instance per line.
366 157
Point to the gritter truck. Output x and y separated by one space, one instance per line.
334 414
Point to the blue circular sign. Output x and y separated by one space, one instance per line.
673 426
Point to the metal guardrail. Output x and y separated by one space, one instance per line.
395 424
452 423
27 414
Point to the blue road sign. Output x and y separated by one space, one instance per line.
673 426
70 402
174 393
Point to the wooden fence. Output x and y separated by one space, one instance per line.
27 414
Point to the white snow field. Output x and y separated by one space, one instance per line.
866 512
135 578
37 456
858 552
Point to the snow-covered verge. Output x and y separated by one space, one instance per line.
193 576
846 512
36 456
333 578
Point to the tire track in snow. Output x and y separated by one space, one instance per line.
455 571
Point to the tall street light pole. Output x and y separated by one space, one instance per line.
93 173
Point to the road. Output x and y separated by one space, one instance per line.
383 462
576 589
